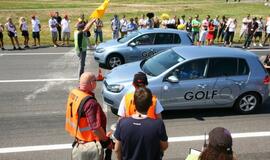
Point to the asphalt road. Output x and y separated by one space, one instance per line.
34 85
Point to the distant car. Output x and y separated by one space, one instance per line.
139 45
192 77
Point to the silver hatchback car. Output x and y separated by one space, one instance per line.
192 77
139 45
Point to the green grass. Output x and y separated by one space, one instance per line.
131 8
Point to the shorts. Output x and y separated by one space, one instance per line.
202 36
35 35
66 35
12 34
25 33
1 36
54 36
258 34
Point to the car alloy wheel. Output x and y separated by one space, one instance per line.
114 61
248 103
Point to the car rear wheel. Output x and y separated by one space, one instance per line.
114 61
247 103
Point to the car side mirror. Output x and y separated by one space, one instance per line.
172 79
132 44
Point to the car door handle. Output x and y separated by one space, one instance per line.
202 85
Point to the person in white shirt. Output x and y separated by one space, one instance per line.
115 26
12 33
230 31
267 30
36 28
142 22
24 30
204 30
259 32
123 26
65 30
245 22
53 28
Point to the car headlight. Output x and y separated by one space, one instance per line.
116 88
100 50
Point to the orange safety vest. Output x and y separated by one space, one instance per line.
130 106
82 132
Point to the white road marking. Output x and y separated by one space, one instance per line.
31 54
171 139
38 80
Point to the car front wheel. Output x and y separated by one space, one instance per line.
114 61
247 103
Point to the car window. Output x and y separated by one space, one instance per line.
164 38
161 62
146 39
243 68
177 39
191 70
222 67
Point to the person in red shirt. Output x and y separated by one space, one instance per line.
211 31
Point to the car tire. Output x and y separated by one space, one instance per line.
114 60
114 111
247 103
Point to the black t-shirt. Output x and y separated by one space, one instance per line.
140 138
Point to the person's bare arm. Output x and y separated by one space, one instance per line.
163 145
89 25
117 149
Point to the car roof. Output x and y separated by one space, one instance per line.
161 30
194 52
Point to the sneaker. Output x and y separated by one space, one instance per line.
14 48
3 49
248 47
19 48
55 46
243 47
260 45
254 44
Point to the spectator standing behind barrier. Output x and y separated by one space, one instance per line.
58 20
123 26
221 28
36 28
267 31
204 30
2 37
98 31
259 32
131 26
12 33
244 26
80 42
156 22
24 30
65 30
216 25
127 108
189 25
211 33
139 137
142 22
86 121
251 29
219 147
53 28
115 27
196 24
230 31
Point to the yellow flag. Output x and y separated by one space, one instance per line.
99 12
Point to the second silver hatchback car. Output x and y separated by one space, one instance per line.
139 45
195 77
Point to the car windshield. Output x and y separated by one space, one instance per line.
128 37
161 62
